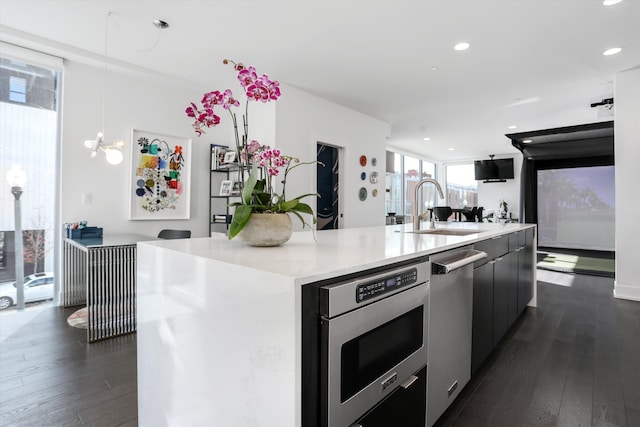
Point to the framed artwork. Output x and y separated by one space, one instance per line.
226 187
160 183
229 157
237 188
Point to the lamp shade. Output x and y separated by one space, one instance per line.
114 156
16 177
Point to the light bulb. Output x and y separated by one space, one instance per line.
89 143
114 156
16 177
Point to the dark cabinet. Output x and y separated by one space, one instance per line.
502 287
525 269
505 297
485 309
482 331
405 406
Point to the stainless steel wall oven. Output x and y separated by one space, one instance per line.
369 339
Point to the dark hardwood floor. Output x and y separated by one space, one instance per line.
574 361
50 376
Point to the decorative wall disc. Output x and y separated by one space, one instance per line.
362 194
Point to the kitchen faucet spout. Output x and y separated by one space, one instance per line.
416 214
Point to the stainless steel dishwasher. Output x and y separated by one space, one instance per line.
450 317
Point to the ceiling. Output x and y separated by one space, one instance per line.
535 64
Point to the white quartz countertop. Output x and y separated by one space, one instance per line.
336 252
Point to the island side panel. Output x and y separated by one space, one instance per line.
217 343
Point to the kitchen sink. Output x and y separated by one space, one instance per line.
446 232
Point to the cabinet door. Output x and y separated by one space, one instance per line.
511 261
500 297
525 272
406 407
482 332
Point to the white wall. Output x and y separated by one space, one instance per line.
134 101
490 194
627 156
302 120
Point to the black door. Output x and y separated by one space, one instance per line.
327 179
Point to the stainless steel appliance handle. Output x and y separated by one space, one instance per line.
448 267
412 379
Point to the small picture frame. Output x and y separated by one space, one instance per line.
225 187
237 188
229 157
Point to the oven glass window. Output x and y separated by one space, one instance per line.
365 358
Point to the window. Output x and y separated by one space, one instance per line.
37 282
403 174
393 185
29 85
462 187
2 265
411 178
17 89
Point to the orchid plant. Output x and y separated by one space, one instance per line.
264 162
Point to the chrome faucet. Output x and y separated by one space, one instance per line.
416 215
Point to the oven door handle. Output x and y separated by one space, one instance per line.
469 257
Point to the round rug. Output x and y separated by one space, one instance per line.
78 319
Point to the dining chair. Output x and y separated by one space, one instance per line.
442 213
174 234
470 215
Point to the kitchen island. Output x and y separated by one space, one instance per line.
219 323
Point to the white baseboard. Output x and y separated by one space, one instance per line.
626 292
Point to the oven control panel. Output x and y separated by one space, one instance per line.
368 290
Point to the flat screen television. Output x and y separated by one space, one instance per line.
494 169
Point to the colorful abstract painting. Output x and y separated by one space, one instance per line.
161 170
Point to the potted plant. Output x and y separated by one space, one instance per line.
263 162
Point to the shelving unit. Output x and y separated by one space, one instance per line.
220 213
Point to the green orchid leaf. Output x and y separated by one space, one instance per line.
304 223
308 195
240 219
303 208
287 206
247 191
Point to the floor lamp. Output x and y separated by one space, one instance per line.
16 178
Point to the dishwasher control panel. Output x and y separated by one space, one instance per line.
368 290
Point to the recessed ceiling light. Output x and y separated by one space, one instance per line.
462 46
434 68
427 139
513 127
527 141
612 51
451 149
610 2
